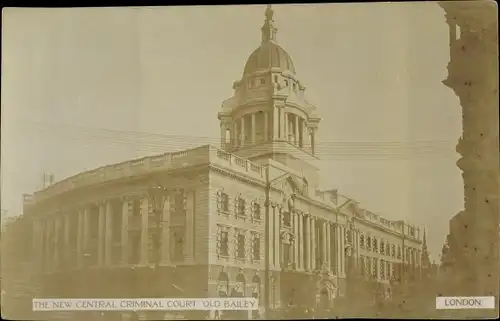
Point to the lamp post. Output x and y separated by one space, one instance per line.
157 196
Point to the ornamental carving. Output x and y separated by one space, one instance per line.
287 237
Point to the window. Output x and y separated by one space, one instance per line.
375 247
368 243
241 207
275 79
136 207
262 81
224 202
286 254
387 249
135 247
256 248
388 270
399 252
240 253
374 265
382 269
287 219
368 266
256 211
177 250
362 241
224 243
393 250
382 247
362 264
179 203
286 83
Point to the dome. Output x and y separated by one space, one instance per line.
269 55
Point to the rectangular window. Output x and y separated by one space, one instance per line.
262 81
256 249
224 243
135 247
241 207
382 269
225 202
256 211
241 246
362 241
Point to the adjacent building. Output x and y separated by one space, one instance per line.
94 233
471 255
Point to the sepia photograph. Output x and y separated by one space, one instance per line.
239 162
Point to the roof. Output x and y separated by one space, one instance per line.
269 55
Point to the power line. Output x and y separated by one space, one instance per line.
159 143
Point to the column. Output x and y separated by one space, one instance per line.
307 252
338 244
313 141
234 135
242 131
189 254
266 126
165 236
304 134
300 261
58 223
296 130
67 250
101 234
37 242
323 242
270 241
277 236
124 238
342 250
282 124
79 239
48 242
254 137
86 230
328 248
144 231
223 136
297 238
276 115
286 127
108 237
313 243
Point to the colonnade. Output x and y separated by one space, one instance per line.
72 237
315 244
263 126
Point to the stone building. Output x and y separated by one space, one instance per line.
472 252
228 215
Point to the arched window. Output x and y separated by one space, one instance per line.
256 286
223 284
239 288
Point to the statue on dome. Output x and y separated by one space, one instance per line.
269 12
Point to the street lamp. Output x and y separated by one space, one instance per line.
157 196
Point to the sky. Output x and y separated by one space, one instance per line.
86 87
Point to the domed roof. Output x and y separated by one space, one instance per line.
269 55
